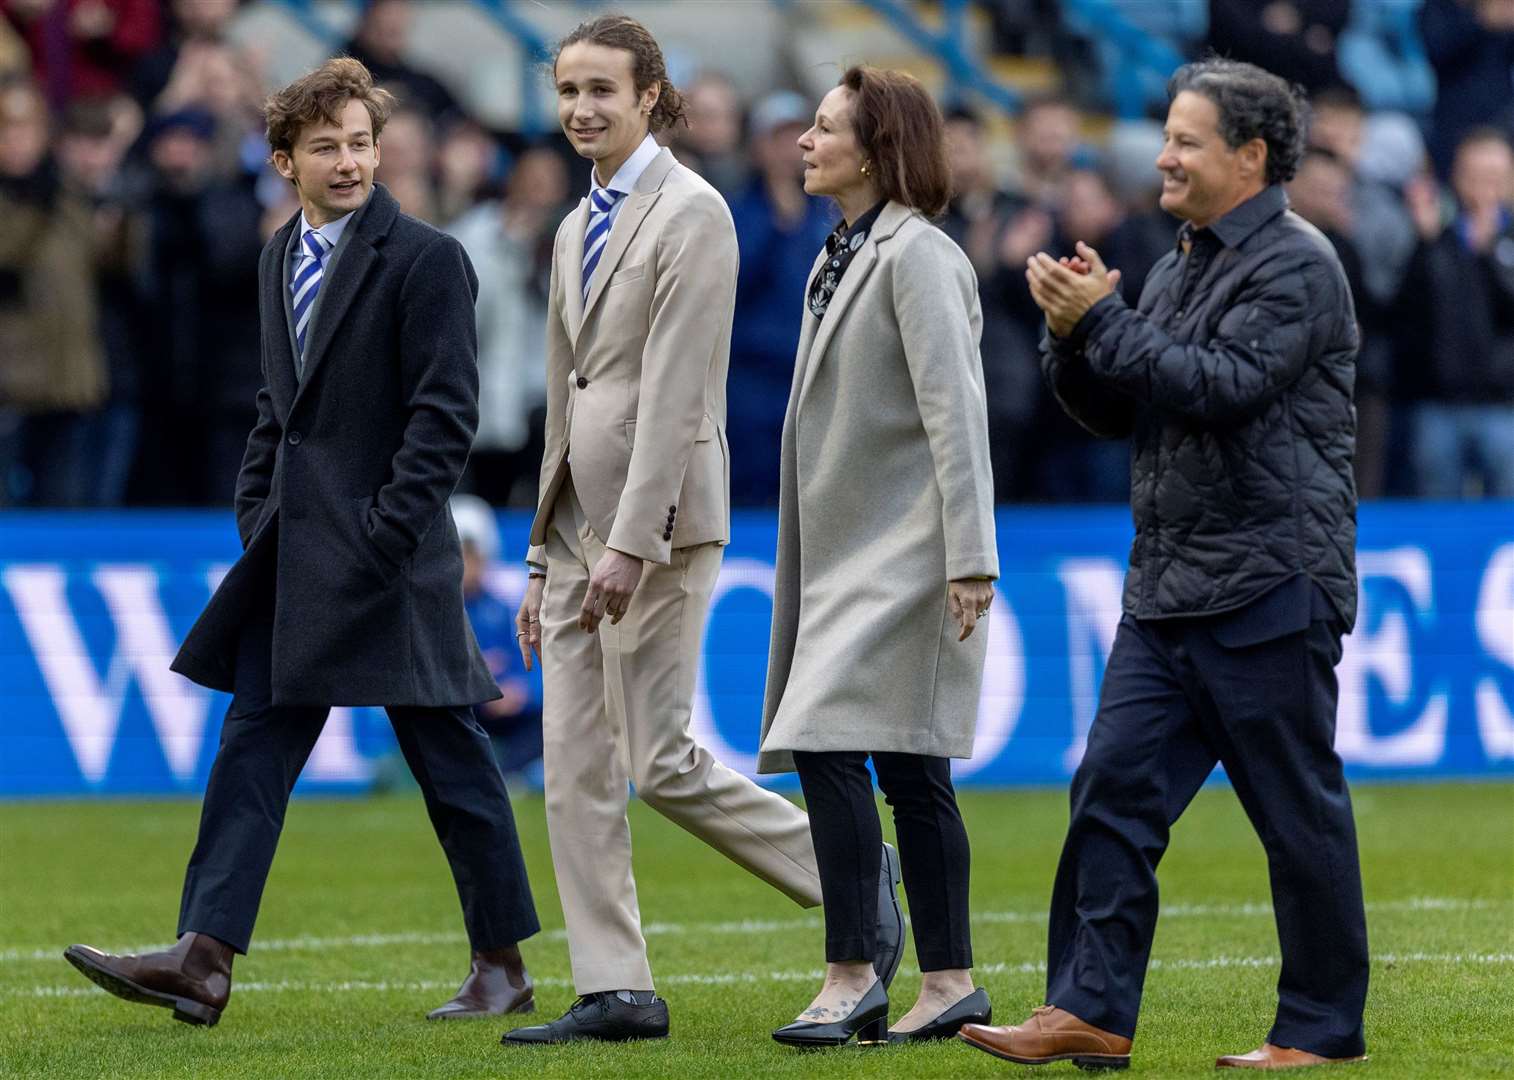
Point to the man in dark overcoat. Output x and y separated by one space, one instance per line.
1233 380
349 590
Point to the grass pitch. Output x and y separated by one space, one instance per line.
360 934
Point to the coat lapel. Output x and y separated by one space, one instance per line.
276 305
857 273
348 275
572 271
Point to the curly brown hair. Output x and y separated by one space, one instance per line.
647 65
902 136
322 95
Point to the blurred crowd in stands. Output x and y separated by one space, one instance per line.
135 196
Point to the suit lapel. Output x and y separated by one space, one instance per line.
572 271
857 273
627 221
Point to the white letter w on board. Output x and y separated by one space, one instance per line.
89 706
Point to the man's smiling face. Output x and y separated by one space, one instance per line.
597 104
332 165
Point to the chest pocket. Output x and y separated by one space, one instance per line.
626 274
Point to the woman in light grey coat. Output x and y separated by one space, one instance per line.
886 555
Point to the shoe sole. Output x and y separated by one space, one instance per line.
894 877
184 1009
525 1008
505 1039
1087 1062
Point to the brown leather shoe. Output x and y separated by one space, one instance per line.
1051 1034
496 984
1279 1057
193 978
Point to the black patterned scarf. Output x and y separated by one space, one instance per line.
840 247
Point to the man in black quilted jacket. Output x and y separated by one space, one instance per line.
1233 379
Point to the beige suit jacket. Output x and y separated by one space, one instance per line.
636 374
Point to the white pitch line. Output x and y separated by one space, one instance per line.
746 927
730 978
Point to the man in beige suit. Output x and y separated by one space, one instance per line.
626 544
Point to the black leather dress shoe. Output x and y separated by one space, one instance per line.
868 1021
601 1016
890 947
973 1009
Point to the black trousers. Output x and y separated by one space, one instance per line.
264 747
1174 702
933 852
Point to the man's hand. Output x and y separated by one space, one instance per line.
528 620
610 587
969 600
1063 292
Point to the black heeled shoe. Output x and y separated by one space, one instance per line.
868 1021
973 1009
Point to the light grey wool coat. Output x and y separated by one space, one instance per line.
886 496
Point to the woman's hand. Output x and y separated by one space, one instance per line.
969 600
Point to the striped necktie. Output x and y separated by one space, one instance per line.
307 284
601 201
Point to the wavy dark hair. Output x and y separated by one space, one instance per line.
902 136
1253 103
648 68
322 95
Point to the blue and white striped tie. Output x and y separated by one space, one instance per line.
601 201
307 284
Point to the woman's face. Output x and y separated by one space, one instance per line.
832 155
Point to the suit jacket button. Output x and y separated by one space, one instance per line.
582 382
294 438
672 510
668 535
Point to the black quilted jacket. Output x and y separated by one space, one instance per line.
1233 379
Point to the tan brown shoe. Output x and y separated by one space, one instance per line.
1051 1034
1279 1057
497 984
193 978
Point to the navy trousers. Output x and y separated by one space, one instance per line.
264 747
1174 702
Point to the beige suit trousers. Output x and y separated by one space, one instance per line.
616 711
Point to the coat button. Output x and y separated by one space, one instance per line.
668 535
582 382
294 438
672 509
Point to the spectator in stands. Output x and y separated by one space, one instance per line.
409 156
510 244
52 370
1378 238
223 79
84 48
192 24
779 231
1458 358
382 37
976 218
513 721
91 146
1295 39
201 356
1471 46
711 143
1048 136
467 168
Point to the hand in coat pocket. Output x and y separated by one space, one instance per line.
379 563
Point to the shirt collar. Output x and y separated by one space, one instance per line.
331 231
842 234
624 180
1234 228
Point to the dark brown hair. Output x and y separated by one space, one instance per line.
322 95
899 128
647 65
